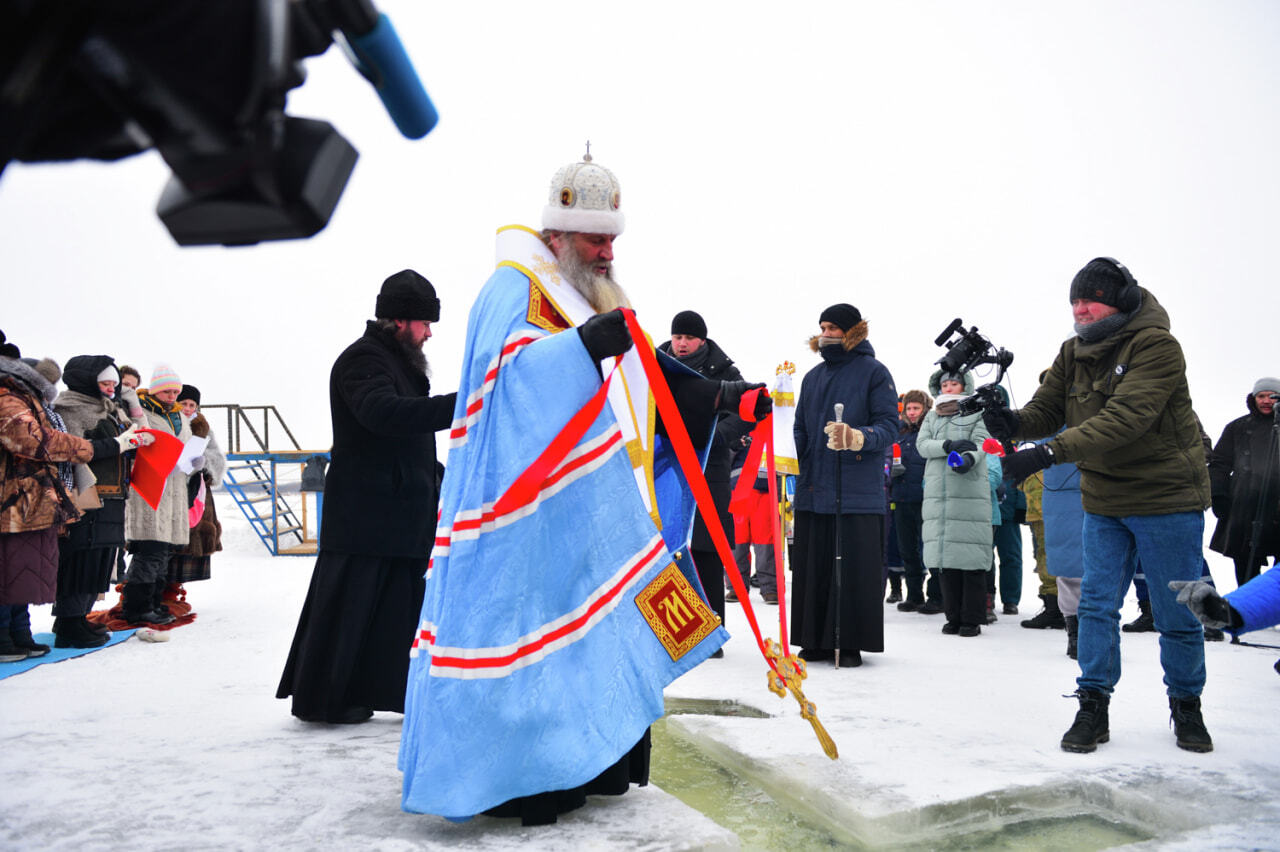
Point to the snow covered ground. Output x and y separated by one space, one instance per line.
944 743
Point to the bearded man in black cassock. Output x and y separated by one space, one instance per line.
350 654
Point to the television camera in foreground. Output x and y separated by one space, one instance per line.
205 84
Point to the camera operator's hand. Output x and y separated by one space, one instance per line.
1001 422
605 335
1221 506
842 436
1206 604
964 445
1023 463
967 461
731 397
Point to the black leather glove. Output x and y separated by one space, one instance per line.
1023 463
1001 422
605 335
731 396
964 445
1221 506
967 461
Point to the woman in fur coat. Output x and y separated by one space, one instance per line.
193 562
153 534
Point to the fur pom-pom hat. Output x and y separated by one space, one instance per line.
586 198
46 367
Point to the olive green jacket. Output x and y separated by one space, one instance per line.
1130 427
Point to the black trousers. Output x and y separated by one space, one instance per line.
858 610
964 596
908 525
711 574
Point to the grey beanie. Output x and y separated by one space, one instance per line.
1267 383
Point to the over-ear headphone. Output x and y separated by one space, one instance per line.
1128 298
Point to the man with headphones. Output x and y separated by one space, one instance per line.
1119 386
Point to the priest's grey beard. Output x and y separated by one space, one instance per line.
600 291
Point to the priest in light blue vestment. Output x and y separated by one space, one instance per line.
554 618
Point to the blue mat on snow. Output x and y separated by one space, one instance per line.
57 655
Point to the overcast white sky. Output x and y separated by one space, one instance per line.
922 161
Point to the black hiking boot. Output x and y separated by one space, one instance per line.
1048 618
1188 725
1144 623
1091 726
895 588
930 607
1073 635
137 606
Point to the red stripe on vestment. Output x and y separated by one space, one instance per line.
560 632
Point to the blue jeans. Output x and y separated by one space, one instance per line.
1170 547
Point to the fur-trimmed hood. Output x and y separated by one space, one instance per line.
935 383
852 337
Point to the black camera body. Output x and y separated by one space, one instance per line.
967 351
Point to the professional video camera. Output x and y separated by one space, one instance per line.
967 351
205 84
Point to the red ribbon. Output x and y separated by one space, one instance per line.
692 468
526 486
761 440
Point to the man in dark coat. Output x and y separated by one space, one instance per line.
1119 386
690 346
1244 480
350 654
850 375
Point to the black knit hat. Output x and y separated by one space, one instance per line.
190 392
843 316
690 323
1107 281
407 295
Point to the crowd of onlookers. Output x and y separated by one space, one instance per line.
68 511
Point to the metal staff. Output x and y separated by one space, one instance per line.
839 550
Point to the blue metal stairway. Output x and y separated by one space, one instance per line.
266 483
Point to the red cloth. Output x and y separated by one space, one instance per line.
175 598
153 464
754 523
